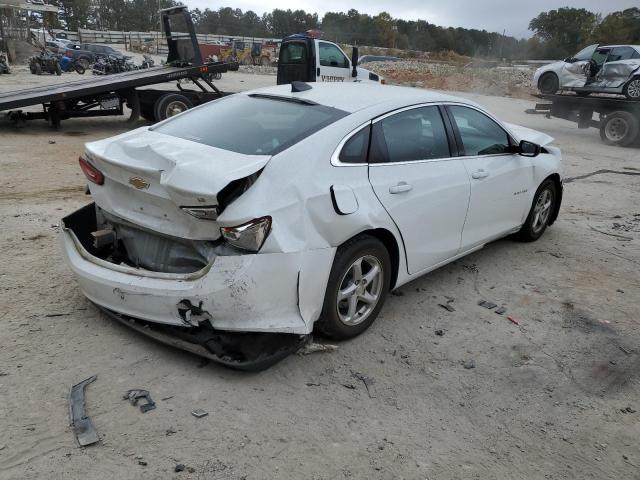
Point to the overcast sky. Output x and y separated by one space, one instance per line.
492 15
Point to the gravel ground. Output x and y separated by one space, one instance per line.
555 397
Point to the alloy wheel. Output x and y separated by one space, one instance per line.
360 290
633 89
542 210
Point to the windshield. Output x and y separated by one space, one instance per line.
586 53
251 125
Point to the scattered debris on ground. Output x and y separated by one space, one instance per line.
80 422
312 347
199 413
367 380
136 394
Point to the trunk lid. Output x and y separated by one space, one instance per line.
150 175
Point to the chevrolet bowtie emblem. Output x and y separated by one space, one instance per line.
139 183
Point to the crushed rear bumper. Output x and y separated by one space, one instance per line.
238 350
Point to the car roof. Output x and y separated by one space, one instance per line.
637 47
354 96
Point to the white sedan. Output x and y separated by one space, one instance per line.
292 209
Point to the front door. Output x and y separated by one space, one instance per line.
502 182
424 189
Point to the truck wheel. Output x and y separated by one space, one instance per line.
632 89
549 83
171 104
619 128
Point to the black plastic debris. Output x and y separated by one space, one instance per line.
500 310
487 304
81 424
447 307
136 394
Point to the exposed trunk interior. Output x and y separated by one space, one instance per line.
119 242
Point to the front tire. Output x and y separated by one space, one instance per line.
357 288
548 83
544 204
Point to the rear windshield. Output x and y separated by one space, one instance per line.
251 125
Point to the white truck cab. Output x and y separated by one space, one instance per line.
307 59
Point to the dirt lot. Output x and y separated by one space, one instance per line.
555 397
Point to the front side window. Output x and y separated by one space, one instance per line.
586 53
251 124
416 134
332 56
480 135
601 55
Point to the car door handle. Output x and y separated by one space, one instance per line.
479 174
400 188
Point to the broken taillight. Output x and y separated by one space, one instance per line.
203 213
92 173
248 236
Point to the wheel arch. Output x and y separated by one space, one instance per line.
390 243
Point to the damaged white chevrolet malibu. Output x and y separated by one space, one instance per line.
237 228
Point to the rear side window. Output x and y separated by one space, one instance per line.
621 53
416 134
293 53
480 135
355 149
252 125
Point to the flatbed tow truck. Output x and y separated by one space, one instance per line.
106 95
618 118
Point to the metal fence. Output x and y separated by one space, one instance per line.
138 38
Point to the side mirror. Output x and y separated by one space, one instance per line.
528 149
354 62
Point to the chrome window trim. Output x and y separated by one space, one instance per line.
335 157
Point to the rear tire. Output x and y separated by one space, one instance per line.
548 83
79 69
619 128
38 69
542 208
57 69
632 89
357 288
171 104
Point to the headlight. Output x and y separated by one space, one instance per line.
248 236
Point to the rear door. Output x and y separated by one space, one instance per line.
332 64
617 68
502 182
423 188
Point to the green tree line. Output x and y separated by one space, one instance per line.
557 33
